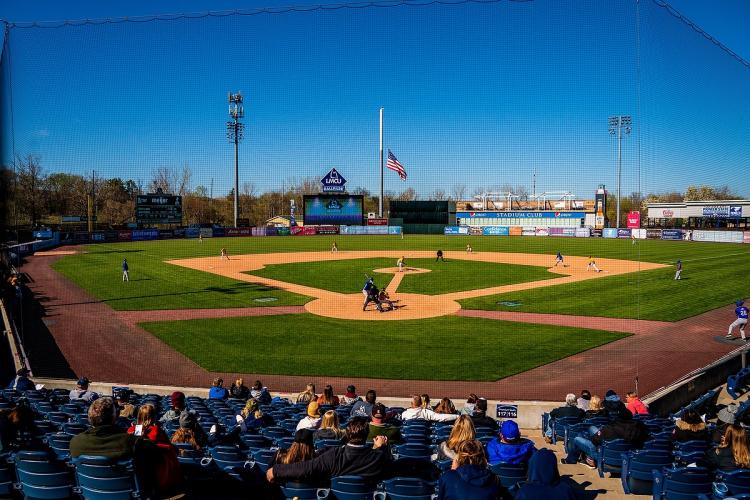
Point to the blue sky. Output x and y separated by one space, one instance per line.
479 95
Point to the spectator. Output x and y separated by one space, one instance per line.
446 406
596 409
190 432
584 399
22 382
126 409
690 427
469 477
217 390
733 452
463 430
544 479
509 446
302 449
260 393
378 427
253 417
426 401
145 425
82 391
613 405
418 410
471 402
103 438
350 397
239 390
364 408
480 418
726 417
178 406
328 398
329 427
15 426
354 458
634 405
308 394
312 419
624 427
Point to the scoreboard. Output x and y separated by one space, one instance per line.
158 209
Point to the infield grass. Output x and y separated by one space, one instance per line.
445 348
348 276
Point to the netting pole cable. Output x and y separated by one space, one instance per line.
6 53
638 163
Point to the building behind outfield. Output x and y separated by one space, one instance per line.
720 214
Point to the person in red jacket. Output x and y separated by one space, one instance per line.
635 405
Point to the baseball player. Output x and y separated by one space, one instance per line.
439 256
678 271
334 248
200 237
559 259
365 289
372 296
125 276
468 248
741 312
400 264
224 254
592 265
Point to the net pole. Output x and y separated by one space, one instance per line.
380 202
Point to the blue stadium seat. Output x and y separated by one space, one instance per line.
413 450
637 469
349 488
6 475
559 425
102 478
684 483
510 474
41 475
731 484
407 488
610 456
300 491
264 458
256 441
59 443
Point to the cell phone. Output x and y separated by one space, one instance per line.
139 430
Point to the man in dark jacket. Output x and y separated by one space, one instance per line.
570 409
480 418
625 428
22 382
354 458
613 405
104 438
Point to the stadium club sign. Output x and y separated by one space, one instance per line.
731 211
333 182
520 215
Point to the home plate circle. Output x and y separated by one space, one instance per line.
407 306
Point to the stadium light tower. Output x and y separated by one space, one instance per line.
235 131
618 125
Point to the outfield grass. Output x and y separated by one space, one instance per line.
347 276
705 285
446 348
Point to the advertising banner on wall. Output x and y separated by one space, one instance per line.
541 231
520 215
634 220
145 234
258 231
124 235
746 237
623 233
377 222
609 232
206 232
456 230
671 234
296 230
192 232
328 230
528 231
563 231
583 232
731 211
653 234
495 231
309 231
515 231
719 236
394 229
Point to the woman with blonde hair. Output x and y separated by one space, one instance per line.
308 394
596 408
426 401
733 452
445 406
329 427
463 430
469 476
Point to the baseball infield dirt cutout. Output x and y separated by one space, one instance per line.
410 306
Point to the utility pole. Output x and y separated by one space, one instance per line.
618 124
235 131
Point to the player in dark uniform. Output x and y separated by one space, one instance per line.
439 256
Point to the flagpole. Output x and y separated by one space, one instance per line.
380 202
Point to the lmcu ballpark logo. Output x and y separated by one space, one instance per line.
667 213
333 181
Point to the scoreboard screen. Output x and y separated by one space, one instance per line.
158 209
333 209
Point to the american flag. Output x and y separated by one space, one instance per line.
394 165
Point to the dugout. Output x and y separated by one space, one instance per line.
423 217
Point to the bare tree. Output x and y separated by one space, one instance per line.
459 192
182 179
408 194
439 195
30 184
161 179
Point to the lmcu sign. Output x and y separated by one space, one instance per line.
333 182
634 220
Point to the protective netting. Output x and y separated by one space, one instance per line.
478 94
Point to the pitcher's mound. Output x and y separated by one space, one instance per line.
407 270
408 306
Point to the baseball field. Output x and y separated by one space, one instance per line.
289 306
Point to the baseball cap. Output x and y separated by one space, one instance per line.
304 436
728 415
610 393
312 409
378 410
83 381
23 372
739 302
351 389
509 430
177 397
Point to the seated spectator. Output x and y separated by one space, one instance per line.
624 427
178 406
469 477
544 480
613 405
252 417
596 408
103 438
480 418
364 408
146 426
22 382
82 391
584 399
15 426
354 458
727 416
301 450
690 427
509 446
426 401
329 427
328 398
217 390
569 410
260 393
417 410
308 394
350 397
378 427
312 419
190 432
239 390
446 406
463 430
733 451
127 410
634 405
471 402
